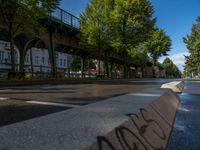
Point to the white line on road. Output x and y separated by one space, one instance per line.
4 98
52 104
143 94
183 109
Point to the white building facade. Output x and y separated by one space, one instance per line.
36 59
5 56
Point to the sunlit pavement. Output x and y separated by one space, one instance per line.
20 103
186 133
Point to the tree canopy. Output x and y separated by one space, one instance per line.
171 69
130 24
192 41
93 25
76 64
116 26
158 44
94 30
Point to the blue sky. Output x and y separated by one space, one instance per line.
174 16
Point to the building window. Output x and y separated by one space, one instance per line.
60 62
43 60
64 62
36 59
1 56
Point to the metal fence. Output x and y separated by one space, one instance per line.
64 17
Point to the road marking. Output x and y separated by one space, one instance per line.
52 104
4 98
143 94
179 128
183 109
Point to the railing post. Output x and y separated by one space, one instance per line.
64 17
71 21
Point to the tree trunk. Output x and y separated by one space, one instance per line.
128 71
68 72
12 50
82 67
52 55
142 70
31 61
144 74
111 68
153 69
68 67
125 71
107 68
89 68
99 68
21 61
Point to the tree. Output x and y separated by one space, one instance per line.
190 69
19 16
192 42
130 25
77 65
140 57
116 26
93 27
171 69
157 45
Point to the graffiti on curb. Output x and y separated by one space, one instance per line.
143 131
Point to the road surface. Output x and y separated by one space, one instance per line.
186 133
20 103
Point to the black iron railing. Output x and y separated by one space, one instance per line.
64 17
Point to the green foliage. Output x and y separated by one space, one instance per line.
90 64
158 44
139 55
76 64
192 41
130 24
94 29
118 25
93 25
22 16
171 69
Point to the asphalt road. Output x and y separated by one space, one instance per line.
20 103
186 133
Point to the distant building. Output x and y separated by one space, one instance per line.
36 59
5 56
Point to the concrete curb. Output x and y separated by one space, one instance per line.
176 86
149 129
144 119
